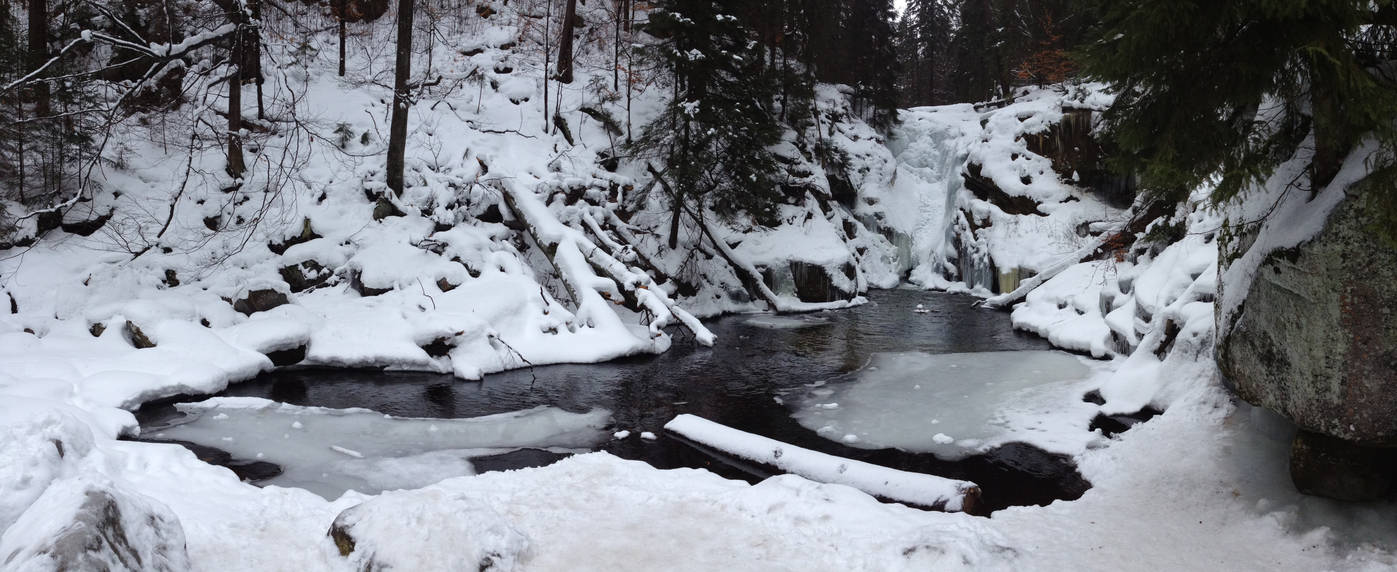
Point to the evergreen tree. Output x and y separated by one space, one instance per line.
715 131
924 33
874 61
977 72
1191 75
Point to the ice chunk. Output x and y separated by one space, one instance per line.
912 401
335 450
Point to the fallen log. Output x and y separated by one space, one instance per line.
574 256
922 490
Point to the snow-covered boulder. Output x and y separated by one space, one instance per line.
428 529
83 524
1307 327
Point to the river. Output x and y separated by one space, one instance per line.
759 363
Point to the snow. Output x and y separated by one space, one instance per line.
330 451
916 488
972 402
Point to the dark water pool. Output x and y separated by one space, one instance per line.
735 383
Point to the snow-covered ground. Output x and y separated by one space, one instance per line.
1202 486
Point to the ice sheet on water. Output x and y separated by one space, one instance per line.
954 405
328 451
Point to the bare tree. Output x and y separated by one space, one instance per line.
565 42
238 16
38 52
397 131
343 16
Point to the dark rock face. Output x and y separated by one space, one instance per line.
1316 341
307 234
1334 468
259 301
78 525
356 282
1317 337
985 189
306 275
289 356
814 284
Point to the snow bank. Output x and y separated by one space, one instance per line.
916 488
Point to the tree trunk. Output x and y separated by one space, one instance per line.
344 6
236 165
256 55
547 53
630 64
38 52
616 48
1331 141
402 67
565 43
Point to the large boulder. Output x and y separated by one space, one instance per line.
78 524
1315 338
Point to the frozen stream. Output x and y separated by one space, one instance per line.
764 373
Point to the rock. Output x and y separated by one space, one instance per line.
1325 466
984 189
1316 337
385 208
96 329
259 301
137 337
440 347
449 531
356 282
306 275
85 227
290 356
307 234
814 284
80 525
1072 147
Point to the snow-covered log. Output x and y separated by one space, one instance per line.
639 288
574 257
919 489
